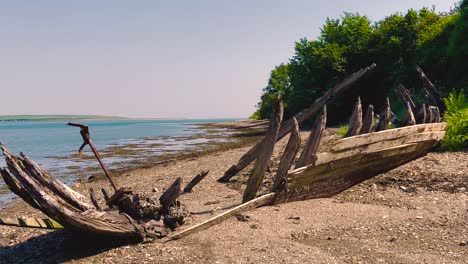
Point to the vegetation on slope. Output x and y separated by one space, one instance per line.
437 42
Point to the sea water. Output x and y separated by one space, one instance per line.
50 142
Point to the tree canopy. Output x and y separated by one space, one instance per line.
437 42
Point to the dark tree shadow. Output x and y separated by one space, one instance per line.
57 247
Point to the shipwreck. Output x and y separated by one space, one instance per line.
370 147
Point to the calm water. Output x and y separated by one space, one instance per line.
47 142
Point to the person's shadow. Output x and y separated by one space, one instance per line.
57 247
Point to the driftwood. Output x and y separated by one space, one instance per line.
268 145
308 154
287 126
368 120
252 204
421 116
288 157
197 179
385 116
170 195
431 91
355 121
105 195
409 116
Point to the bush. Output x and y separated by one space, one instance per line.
343 130
456 116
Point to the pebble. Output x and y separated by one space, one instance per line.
463 243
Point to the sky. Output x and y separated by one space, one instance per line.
157 59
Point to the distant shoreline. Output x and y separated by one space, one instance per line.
15 118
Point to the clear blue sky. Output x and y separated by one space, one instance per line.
194 59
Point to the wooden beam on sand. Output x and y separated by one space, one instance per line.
288 157
368 120
266 151
366 139
252 204
287 126
198 178
355 121
310 149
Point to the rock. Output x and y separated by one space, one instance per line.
155 189
243 218
463 243
403 188
295 218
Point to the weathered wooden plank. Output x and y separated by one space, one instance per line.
288 157
252 204
261 164
412 138
46 223
366 139
197 179
287 126
355 121
310 148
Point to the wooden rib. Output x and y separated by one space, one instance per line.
409 116
355 121
198 178
288 157
302 116
413 138
385 117
366 139
368 120
252 204
261 164
310 149
421 116
171 195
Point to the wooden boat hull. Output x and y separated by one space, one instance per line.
356 159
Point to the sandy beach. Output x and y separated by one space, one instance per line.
413 214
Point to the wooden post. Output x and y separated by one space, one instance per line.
409 116
170 195
200 176
268 145
355 121
288 157
384 117
421 116
310 149
287 126
428 114
437 118
368 120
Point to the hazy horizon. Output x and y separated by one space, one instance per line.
151 59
